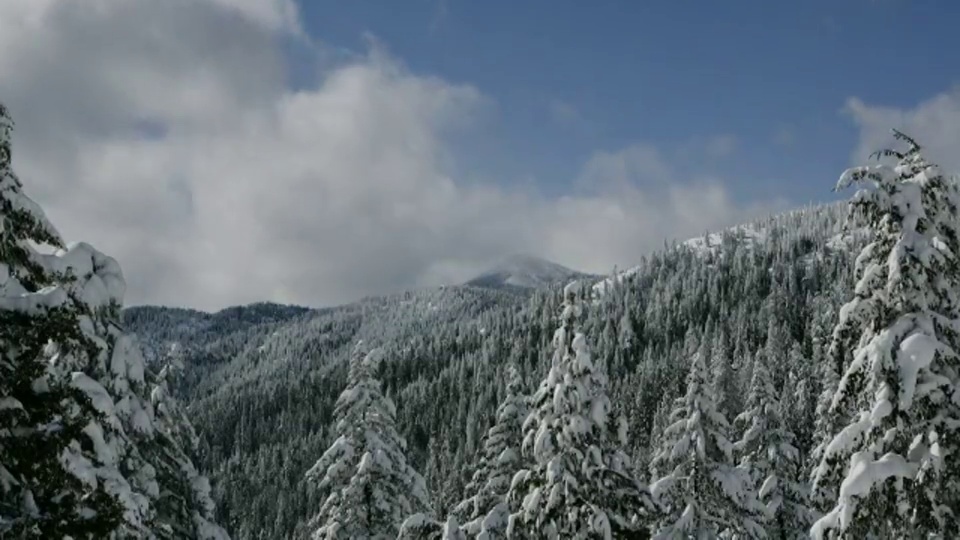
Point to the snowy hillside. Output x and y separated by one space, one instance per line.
264 379
824 221
524 271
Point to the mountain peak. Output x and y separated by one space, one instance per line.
524 271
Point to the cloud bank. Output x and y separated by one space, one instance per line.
934 123
165 134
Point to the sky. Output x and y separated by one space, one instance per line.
314 152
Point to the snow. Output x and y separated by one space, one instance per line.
127 361
207 530
747 235
916 353
98 395
8 403
413 524
451 530
864 473
524 271
768 486
99 278
600 287
35 303
10 190
496 520
571 288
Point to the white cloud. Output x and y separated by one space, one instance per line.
275 15
934 123
243 190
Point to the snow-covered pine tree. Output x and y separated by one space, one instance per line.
422 526
57 474
184 508
822 495
703 495
578 485
500 460
896 345
767 453
724 378
798 403
370 487
113 372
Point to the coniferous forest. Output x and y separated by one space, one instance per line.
793 377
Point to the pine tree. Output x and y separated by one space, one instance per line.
896 345
500 460
702 494
115 373
578 486
371 488
421 526
724 378
140 449
183 505
58 474
822 494
798 405
767 452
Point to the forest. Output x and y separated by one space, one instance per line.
793 377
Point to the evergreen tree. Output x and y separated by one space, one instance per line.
702 494
499 462
59 474
183 505
767 452
116 373
798 406
724 378
578 486
371 488
896 345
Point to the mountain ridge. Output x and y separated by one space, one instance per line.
525 271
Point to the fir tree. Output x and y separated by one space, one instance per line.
58 475
371 488
578 486
499 462
724 378
116 373
767 452
183 505
896 345
702 494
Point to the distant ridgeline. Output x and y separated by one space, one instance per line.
794 377
262 393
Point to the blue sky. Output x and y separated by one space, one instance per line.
569 78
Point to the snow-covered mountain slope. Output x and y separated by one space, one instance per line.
262 381
745 235
525 271
748 235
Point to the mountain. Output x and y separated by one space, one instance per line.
821 221
525 271
262 381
